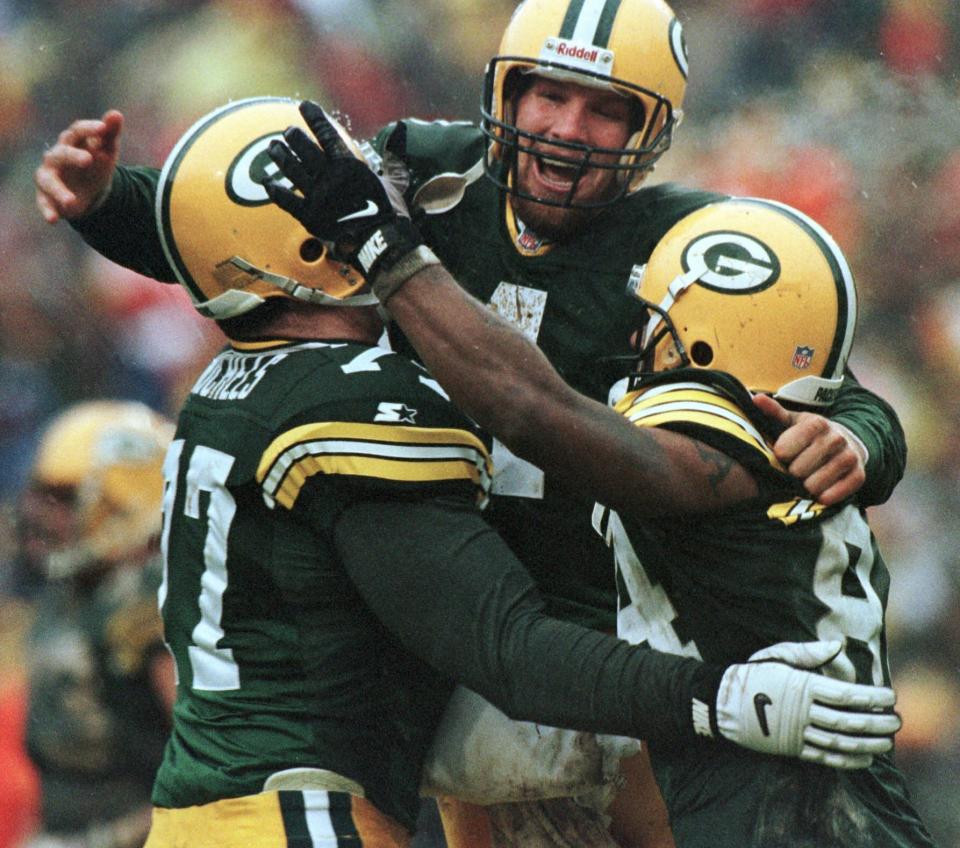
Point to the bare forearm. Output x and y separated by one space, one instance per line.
490 370
503 380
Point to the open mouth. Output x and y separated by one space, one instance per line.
556 174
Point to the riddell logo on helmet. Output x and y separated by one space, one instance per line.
572 55
577 51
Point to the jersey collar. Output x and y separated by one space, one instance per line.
525 240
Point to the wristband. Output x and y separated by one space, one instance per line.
383 245
388 280
703 707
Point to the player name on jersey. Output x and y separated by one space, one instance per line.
232 376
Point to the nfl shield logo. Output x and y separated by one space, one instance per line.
529 240
802 357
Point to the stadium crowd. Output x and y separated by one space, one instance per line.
848 111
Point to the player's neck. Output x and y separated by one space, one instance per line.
359 324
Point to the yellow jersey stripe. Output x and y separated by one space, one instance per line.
678 393
387 452
696 406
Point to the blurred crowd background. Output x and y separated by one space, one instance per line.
848 110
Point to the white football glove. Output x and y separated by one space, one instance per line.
770 704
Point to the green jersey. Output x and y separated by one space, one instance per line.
570 297
720 587
328 574
280 662
95 725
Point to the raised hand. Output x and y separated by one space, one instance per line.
75 174
338 198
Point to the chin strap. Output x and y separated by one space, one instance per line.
300 291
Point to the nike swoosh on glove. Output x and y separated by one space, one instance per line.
339 199
774 705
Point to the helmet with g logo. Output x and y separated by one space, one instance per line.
754 288
229 245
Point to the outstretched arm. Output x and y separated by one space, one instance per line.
454 595
506 384
111 206
491 371
504 381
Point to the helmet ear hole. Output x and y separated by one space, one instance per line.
312 250
701 354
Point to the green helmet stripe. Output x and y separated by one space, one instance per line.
165 189
842 278
570 21
605 24
590 21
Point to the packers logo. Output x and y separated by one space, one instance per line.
731 263
250 170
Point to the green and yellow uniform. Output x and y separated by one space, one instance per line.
720 587
95 726
570 297
328 574
276 650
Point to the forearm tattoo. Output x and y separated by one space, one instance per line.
720 462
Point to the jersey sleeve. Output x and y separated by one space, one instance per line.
717 413
876 424
389 432
328 463
456 597
433 147
124 228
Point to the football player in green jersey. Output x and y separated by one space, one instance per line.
510 228
328 572
718 548
100 680
579 103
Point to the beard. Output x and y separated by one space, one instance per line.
554 223
557 223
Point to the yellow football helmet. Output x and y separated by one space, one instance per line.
635 47
108 454
754 288
229 245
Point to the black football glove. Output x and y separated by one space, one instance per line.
339 199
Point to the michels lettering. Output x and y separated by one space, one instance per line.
232 376
372 250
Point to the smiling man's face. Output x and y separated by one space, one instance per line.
564 111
